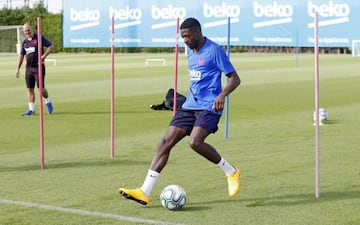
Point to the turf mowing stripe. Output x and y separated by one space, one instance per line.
84 212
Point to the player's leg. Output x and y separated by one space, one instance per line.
141 195
172 136
206 123
45 93
197 143
179 127
30 85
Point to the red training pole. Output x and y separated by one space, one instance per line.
112 110
176 65
40 82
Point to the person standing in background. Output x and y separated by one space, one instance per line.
29 48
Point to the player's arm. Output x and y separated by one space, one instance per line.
47 52
49 47
20 61
234 81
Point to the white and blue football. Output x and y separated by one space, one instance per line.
323 115
173 197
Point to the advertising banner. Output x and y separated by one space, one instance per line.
152 23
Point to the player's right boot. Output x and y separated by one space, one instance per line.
234 182
136 195
50 107
29 113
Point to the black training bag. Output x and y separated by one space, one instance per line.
168 103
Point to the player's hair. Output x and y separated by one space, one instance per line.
27 24
190 23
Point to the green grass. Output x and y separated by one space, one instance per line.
271 140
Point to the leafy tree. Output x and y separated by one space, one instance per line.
52 29
51 23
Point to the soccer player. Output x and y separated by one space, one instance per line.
200 113
29 48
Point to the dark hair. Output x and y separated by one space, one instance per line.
190 23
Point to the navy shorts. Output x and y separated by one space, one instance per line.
32 76
187 119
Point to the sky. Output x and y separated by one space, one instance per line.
53 6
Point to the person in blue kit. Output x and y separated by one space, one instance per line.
200 113
29 48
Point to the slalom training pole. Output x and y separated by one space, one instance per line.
226 135
297 48
317 94
112 110
40 82
176 65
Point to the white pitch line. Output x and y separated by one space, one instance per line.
84 212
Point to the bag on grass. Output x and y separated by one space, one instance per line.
168 103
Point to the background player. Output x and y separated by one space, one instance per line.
29 48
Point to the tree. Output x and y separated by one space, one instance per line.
51 23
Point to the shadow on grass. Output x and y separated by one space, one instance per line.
74 164
102 112
332 122
301 199
187 208
329 122
206 205
280 201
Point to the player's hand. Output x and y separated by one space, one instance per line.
17 74
219 103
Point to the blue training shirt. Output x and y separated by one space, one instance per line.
205 70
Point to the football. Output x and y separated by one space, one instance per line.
323 115
173 197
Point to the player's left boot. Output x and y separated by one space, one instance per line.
29 113
234 182
50 107
136 195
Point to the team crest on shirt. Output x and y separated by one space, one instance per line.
34 42
201 61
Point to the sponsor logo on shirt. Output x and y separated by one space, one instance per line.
195 75
29 50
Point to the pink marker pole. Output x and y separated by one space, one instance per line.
112 110
40 79
176 65
317 94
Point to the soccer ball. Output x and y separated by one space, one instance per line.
323 116
173 197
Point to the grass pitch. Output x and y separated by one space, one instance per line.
271 139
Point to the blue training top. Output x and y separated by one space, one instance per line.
205 69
